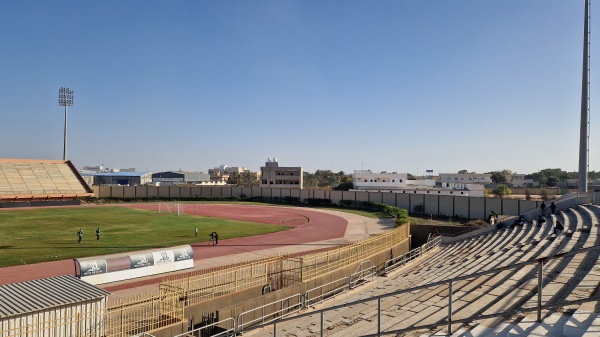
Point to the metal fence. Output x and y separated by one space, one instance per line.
317 264
70 322
278 272
141 313
127 317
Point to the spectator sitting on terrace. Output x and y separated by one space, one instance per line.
541 220
500 225
518 222
558 227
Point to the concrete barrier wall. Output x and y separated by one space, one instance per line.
493 204
389 199
118 191
403 201
350 195
129 191
437 205
510 206
152 191
461 207
363 196
446 203
164 192
336 197
527 205
416 201
431 203
477 207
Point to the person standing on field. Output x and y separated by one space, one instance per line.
98 234
80 235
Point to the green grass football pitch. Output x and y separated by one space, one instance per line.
39 235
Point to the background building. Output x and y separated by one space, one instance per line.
179 177
463 177
366 180
220 175
117 178
274 176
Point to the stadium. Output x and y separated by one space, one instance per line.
279 268
343 276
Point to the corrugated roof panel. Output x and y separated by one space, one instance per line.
30 296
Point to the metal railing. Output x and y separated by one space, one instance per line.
400 261
333 288
336 287
449 320
363 274
280 271
317 264
287 306
229 329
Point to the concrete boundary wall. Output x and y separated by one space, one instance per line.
436 205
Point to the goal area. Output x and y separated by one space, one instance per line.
168 207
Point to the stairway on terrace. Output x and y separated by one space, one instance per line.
574 277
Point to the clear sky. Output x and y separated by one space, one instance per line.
342 85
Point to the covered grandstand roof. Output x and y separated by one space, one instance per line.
30 296
114 174
41 179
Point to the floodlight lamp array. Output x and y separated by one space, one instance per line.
65 96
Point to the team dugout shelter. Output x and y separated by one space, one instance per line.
39 182
52 307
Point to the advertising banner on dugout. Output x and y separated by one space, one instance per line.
92 267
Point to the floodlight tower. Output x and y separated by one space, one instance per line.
65 98
584 133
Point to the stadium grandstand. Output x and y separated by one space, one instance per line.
26 182
521 280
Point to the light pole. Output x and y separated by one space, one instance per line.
65 98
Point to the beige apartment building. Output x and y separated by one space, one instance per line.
219 175
274 176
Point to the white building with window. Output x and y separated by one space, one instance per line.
518 180
449 180
364 180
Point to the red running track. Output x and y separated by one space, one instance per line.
309 226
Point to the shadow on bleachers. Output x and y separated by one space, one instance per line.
519 281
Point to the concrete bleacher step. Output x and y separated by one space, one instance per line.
593 329
551 326
506 290
580 322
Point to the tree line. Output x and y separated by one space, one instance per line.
549 177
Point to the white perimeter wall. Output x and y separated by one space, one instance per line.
439 205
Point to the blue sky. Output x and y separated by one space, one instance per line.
342 85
